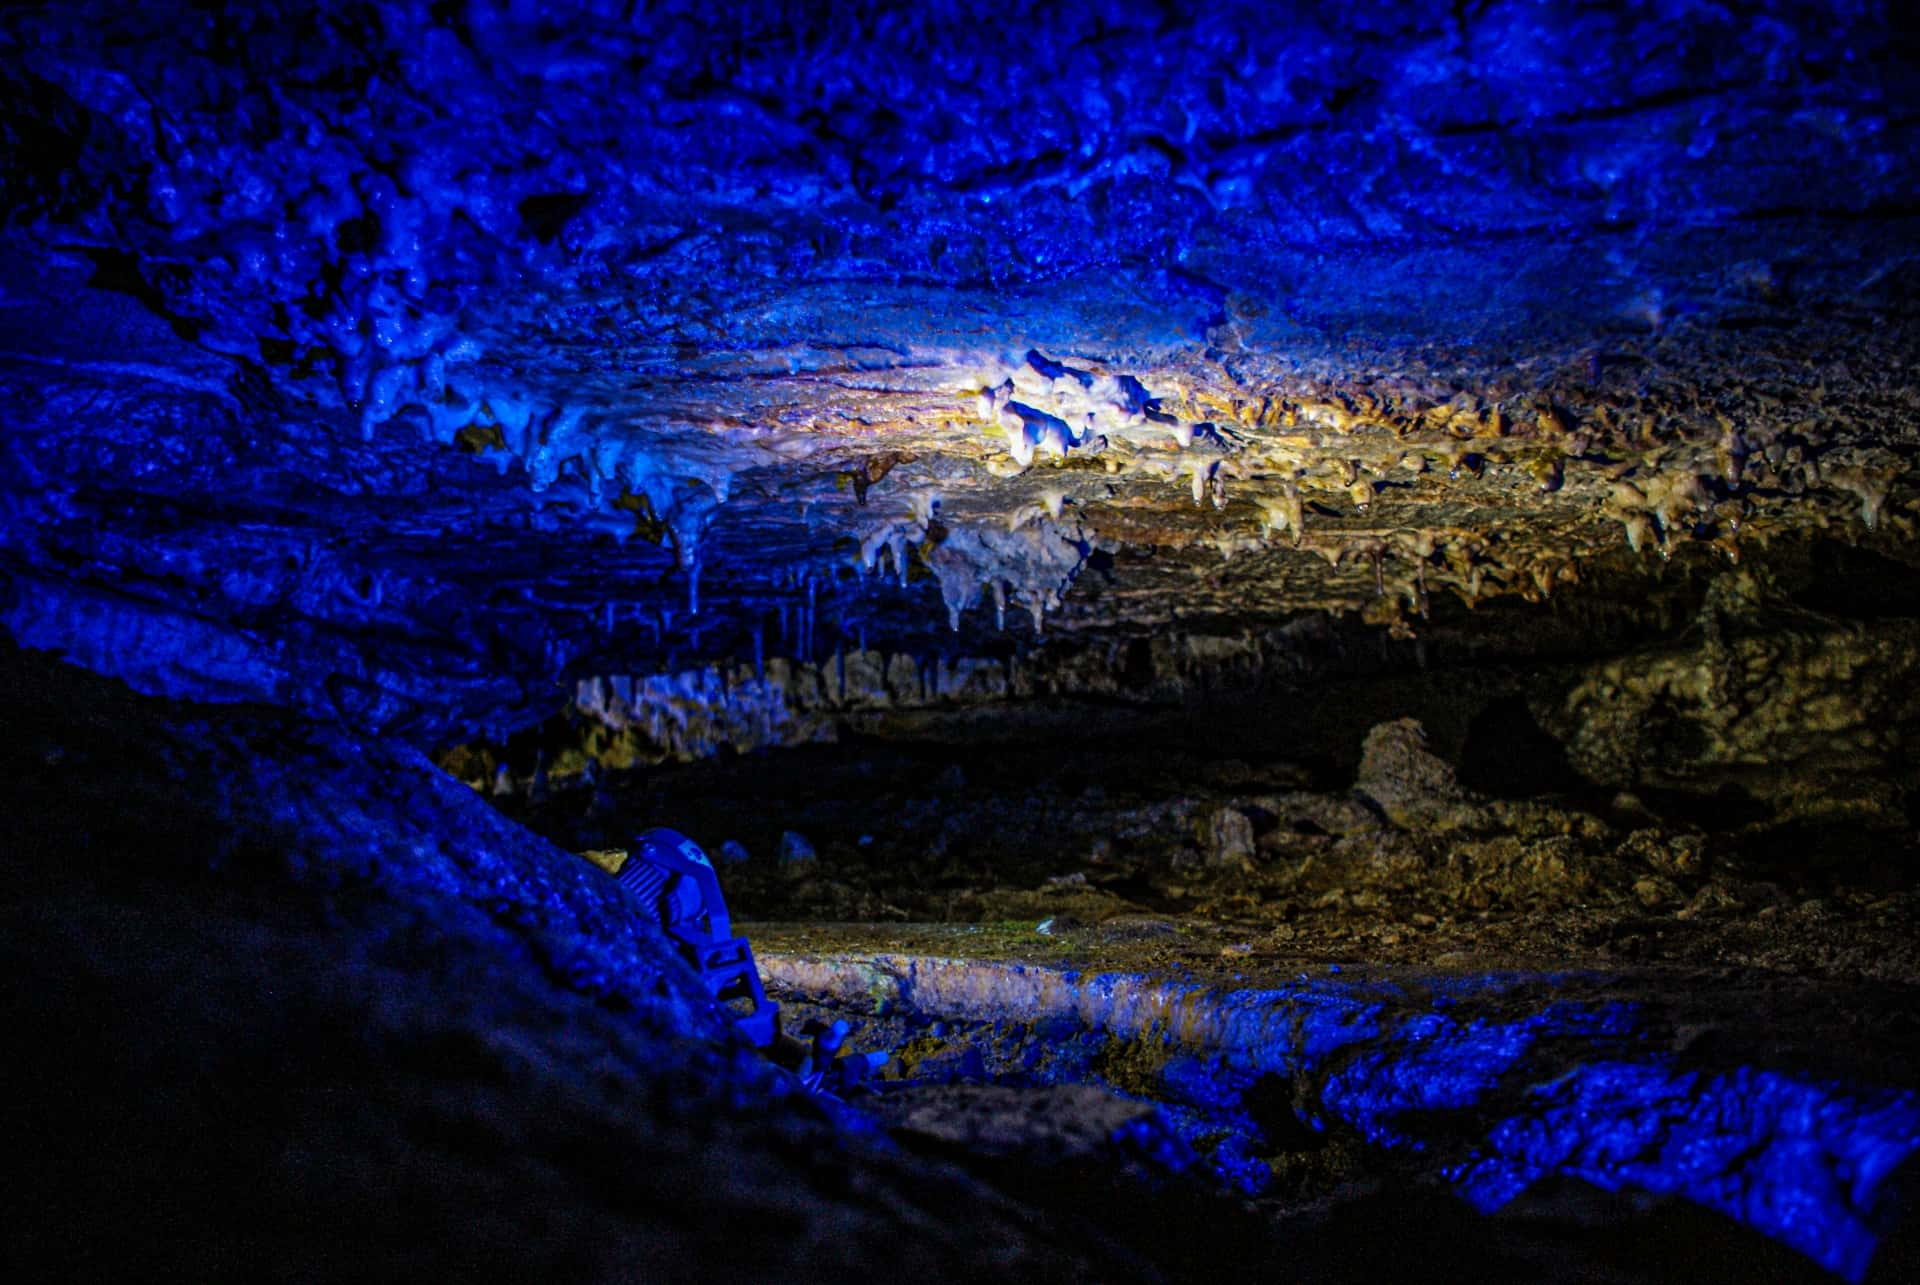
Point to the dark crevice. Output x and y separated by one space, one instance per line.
124 273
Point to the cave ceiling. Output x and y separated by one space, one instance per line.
397 360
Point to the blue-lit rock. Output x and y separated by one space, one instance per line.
692 284
1500 1079
275 992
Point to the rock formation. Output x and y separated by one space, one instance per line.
1423 485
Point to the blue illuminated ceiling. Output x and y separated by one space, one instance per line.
385 359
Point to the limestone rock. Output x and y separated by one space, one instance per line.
1227 837
1412 785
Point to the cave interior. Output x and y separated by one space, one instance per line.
1305 618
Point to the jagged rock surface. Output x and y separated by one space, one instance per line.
281 999
605 393
393 361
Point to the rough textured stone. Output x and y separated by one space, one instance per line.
1227 836
1051 431
1413 786
1364 1052
362 361
1044 1126
323 1009
796 849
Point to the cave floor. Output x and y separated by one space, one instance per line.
327 1002
1343 1118
1024 919
1174 857
1853 1027
1501 1116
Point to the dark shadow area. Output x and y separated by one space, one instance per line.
123 273
1898 1259
1726 807
1564 1230
1814 855
1507 755
1856 583
1179 1228
255 1027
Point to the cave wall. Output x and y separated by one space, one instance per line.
1209 394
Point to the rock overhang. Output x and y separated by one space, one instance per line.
513 340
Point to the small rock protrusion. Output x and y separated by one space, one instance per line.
1227 837
1413 786
796 849
1395 755
734 853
